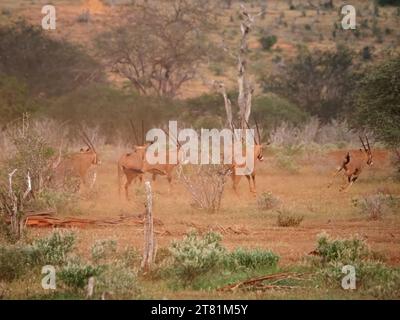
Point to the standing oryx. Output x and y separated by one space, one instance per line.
163 169
353 164
258 157
131 164
135 165
78 164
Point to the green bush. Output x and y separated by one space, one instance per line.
75 274
377 101
389 2
103 250
267 201
64 201
14 99
196 255
267 42
270 110
117 280
372 276
49 66
55 248
17 260
288 219
251 259
346 251
287 163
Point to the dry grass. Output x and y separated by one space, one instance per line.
322 208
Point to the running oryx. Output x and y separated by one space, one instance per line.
354 163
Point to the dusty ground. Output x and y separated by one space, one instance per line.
240 221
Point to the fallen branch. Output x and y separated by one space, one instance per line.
259 280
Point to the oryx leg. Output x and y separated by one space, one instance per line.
235 182
169 178
253 177
334 176
351 181
83 183
129 178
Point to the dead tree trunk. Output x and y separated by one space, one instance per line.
245 87
12 202
219 85
149 241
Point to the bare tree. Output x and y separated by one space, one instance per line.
159 46
245 87
12 201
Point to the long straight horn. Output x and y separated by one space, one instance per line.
143 139
362 141
173 138
134 132
254 137
89 142
83 136
369 147
258 131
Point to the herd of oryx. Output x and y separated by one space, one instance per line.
134 164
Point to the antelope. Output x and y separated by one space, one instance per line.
131 163
354 163
163 169
258 155
78 163
134 165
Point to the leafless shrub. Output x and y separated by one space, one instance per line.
206 184
287 218
267 201
377 204
13 198
314 132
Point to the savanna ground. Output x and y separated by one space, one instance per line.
304 192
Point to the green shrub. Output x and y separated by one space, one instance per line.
217 69
251 259
195 255
288 219
64 201
287 163
103 250
75 274
17 260
271 110
372 278
118 280
267 201
346 251
267 42
55 248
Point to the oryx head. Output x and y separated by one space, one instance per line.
90 151
258 146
